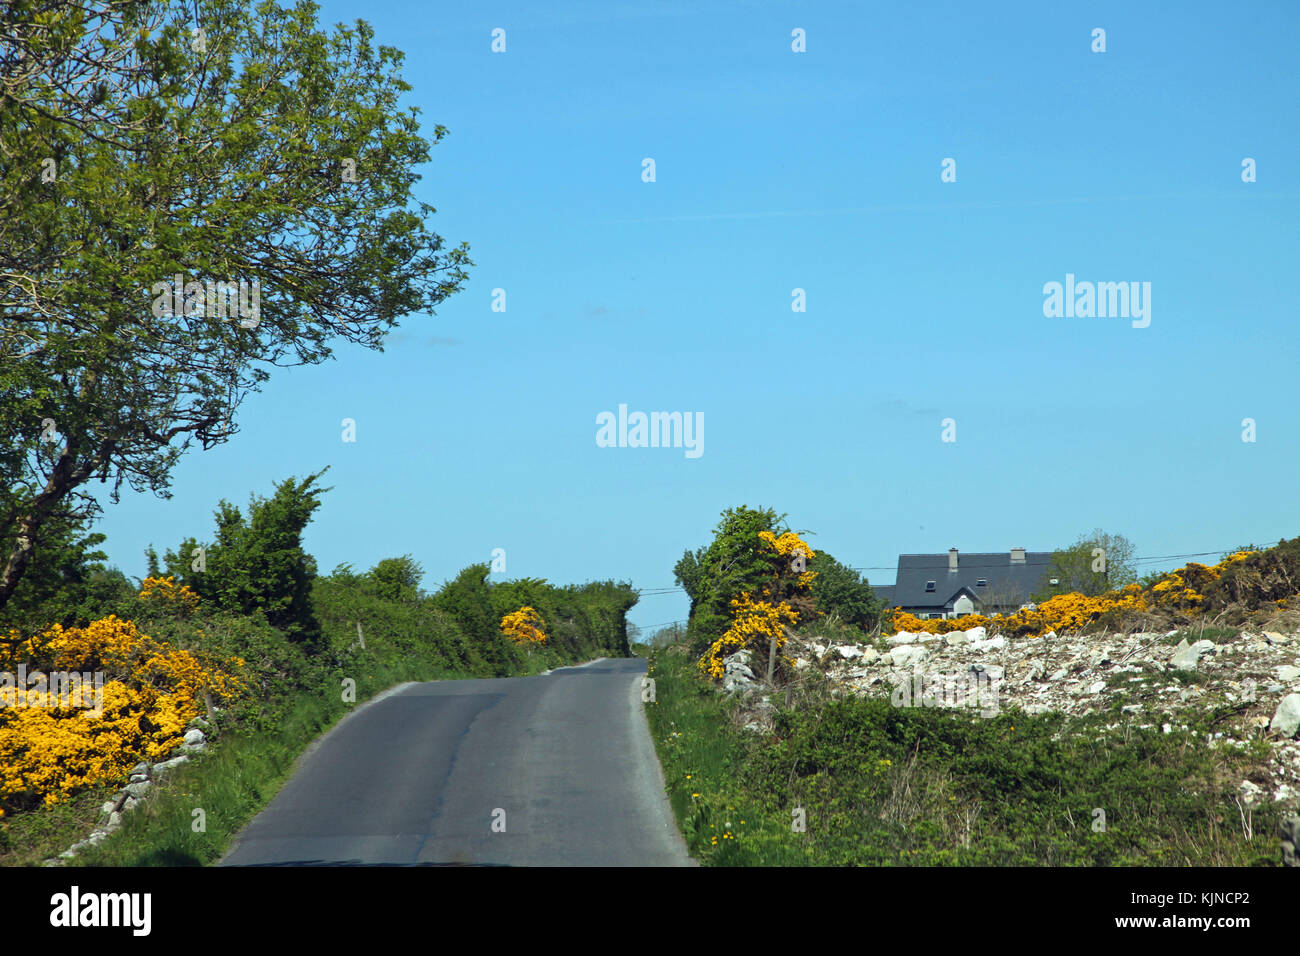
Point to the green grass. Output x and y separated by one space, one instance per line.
881 785
1204 632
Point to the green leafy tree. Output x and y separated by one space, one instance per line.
69 583
1079 569
256 562
397 579
216 140
723 569
735 562
466 599
840 590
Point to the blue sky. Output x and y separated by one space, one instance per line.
778 170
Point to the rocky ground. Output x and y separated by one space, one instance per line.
1144 679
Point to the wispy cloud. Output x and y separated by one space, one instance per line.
605 312
410 338
915 207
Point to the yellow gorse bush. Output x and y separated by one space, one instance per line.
151 690
755 621
1180 590
790 545
936 625
524 626
759 621
167 593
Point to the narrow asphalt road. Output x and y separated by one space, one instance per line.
554 770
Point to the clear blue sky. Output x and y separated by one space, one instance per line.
821 170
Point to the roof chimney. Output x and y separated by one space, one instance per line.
1017 555
952 559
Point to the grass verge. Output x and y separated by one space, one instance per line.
857 781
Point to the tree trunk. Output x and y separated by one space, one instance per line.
65 476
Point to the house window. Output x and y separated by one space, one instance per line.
981 583
929 585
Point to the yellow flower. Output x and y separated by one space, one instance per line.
50 753
524 626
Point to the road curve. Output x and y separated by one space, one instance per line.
420 774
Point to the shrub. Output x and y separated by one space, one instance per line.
151 690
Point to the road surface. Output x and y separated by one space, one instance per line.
554 770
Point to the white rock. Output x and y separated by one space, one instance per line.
870 655
992 644
977 633
1288 672
1097 687
1186 656
902 637
734 669
194 736
908 654
955 639
849 651
992 671
1287 719
732 681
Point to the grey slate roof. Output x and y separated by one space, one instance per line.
995 567
885 592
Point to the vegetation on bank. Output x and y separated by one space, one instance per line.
859 782
758 580
245 633
758 577
1247 587
844 780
